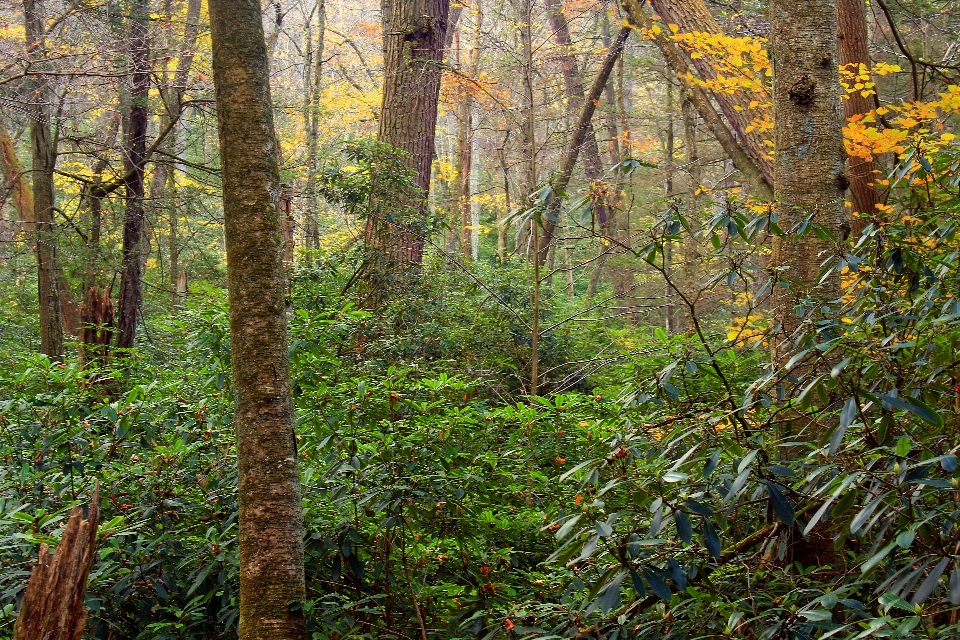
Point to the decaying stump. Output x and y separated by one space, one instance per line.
52 607
96 330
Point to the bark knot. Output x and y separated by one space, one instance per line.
801 92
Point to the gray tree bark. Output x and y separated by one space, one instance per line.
271 528
810 175
43 140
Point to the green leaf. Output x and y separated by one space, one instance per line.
611 595
877 558
905 538
684 529
781 506
914 406
657 584
847 414
926 589
567 526
711 540
711 464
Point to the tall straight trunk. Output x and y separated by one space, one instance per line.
529 239
810 180
135 151
691 244
166 175
271 527
414 32
854 51
668 167
574 88
572 152
694 16
312 89
752 173
502 227
43 140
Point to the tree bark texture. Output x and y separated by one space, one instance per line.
414 32
691 243
810 179
693 16
312 88
271 545
854 51
135 152
573 85
572 152
43 141
15 181
52 606
675 59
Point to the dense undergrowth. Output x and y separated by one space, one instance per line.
688 488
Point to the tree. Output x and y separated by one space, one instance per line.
43 138
854 52
414 32
135 157
810 179
271 545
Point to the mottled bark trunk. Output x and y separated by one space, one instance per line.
810 179
854 51
312 89
691 243
413 37
44 146
135 151
694 16
271 529
675 59
572 152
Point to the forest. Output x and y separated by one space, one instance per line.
479 319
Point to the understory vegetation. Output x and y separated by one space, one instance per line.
669 486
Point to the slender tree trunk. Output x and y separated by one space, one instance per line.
691 244
312 89
810 179
43 140
670 320
854 51
573 84
569 160
134 223
413 37
271 528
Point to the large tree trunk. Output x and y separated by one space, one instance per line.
135 152
691 243
271 528
15 181
694 16
44 144
413 37
810 179
854 51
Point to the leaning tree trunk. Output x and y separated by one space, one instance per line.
134 222
810 179
44 144
413 37
693 16
854 51
271 528
572 152
52 606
